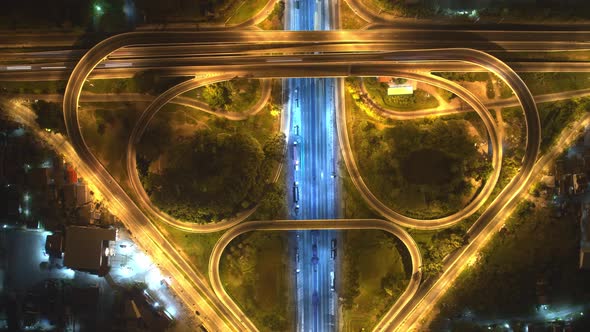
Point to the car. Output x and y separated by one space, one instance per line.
315 259
168 315
150 299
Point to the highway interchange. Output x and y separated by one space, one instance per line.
331 69
219 309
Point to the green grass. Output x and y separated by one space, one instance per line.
245 11
543 83
505 90
536 245
378 92
557 115
274 21
353 205
255 271
115 85
375 254
349 19
554 116
109 147
45 87
195 248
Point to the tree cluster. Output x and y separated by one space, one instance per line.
441 245
211 175
468 77
50 116
435 157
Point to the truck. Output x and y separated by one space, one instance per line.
332 281
296 192
314 258
296 155
333 251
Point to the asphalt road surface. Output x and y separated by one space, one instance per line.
314 186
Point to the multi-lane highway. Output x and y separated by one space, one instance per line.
312 178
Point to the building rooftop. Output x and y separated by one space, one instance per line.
397 90
85 248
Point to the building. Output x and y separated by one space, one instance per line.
400 90
82 194
54 245
71 175
39 178
88 248
584 240
75 195
69 195
9 209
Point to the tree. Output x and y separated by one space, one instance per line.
390 284
50 116
218 95
146 80
275 322
155 140
274 147
351 276
273 204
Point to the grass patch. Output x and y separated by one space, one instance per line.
535 247
353 205
375 272
115 85
467 77
195 248
543 83
349 19
274 21
505 90
38 87
109 143
555 116
377 91
143 82
246 10
255 271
